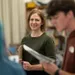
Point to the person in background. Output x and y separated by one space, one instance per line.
37 40
7 67
62 16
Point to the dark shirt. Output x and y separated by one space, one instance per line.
43 44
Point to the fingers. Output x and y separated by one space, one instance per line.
26 65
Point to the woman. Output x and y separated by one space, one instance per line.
37 40
6 66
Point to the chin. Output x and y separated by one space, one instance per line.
59 30
33 29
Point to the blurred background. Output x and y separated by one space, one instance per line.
13 15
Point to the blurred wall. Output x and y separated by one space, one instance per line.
12 15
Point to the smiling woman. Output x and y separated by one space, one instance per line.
37 40
36 17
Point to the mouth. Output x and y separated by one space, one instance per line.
34 26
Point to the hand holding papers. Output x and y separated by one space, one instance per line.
37 55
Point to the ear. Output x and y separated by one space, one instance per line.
70 14
41 23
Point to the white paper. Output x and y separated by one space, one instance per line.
37 55
14 58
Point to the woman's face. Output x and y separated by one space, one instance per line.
35 22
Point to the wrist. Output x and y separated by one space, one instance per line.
42 68
57 72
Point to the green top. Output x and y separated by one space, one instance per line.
43 44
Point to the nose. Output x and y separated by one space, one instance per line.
33 21
53 22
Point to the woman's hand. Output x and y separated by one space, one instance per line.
27 65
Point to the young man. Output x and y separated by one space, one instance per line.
62 16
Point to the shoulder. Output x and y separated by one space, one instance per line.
71 39
72 36
25 38
48 38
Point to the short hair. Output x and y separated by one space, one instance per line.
41 15
56 6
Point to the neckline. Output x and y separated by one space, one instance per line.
38 36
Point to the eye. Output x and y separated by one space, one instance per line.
55 17
36 19
31 19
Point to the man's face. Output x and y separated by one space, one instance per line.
60 21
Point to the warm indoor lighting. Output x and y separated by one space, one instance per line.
27 1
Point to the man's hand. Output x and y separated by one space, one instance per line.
50 67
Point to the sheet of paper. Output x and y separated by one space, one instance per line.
37 55
14 58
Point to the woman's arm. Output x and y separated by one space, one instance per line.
28 66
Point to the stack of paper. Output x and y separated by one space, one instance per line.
37 55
